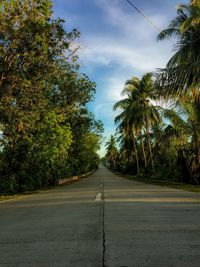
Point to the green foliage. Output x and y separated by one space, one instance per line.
167 149
165 142
138 115
111 152
46 130
55 138
181 74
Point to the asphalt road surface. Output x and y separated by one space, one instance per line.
102 221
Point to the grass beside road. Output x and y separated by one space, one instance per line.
21 195
28 193
162 182
47 188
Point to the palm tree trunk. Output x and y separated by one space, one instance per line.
144 153
197 148
150 150
149 143
114 164
136 154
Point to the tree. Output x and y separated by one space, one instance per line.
42 97
125 128
182 73
111 152
138 110
128 153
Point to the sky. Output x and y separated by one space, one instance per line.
116 44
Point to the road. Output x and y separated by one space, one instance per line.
102 221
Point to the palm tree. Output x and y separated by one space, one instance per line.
111 154
190 108
125 128
124 121
128 150
138 111
184 117
183 69
146 114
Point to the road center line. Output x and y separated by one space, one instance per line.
98 197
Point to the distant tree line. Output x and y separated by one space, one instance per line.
163 140
46 130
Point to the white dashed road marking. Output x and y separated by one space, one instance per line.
98 197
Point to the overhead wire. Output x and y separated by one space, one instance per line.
141 13
147 18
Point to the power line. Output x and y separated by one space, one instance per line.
141 13
149 21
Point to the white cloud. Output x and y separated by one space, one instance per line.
132 44
131 22
105 110
107 51
115 86
125 47
128 49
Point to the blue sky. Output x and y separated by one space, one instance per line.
116 43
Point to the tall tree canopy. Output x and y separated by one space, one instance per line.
182 73
43 98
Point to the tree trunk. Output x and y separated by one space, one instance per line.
197 148
149 143
114 164
136 154
144 153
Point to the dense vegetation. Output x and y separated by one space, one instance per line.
163 140
47 131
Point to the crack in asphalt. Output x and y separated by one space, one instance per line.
103 215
